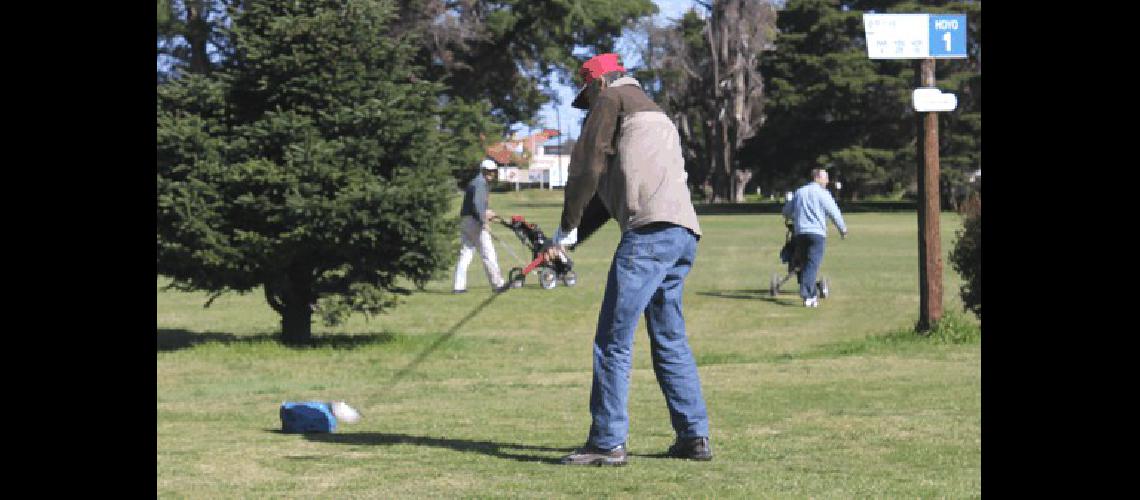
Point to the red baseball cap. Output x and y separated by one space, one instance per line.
592 70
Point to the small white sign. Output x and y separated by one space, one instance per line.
897 36
536 175
931 99
509 174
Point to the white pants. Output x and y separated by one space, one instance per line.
473 236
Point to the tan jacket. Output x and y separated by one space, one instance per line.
629 155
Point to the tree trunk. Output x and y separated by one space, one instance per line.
720 90
197 35
297 323
722 187
292 297
725 190
742 178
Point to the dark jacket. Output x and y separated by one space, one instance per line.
475 198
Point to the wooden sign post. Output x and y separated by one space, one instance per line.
924 37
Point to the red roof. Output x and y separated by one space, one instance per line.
505 153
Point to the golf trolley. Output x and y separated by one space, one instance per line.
550 271
793 254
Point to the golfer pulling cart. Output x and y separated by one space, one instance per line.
793 254
532 237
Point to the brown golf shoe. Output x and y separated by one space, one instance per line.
589 455
697 448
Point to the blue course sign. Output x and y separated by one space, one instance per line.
948 35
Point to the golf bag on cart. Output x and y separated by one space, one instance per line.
793 255
550 271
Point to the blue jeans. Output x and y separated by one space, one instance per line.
646 277
812 248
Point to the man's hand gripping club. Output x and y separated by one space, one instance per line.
559 242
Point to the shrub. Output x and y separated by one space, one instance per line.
966 257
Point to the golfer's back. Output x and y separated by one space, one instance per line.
646 182
810 208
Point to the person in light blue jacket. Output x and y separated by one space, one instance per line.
809 209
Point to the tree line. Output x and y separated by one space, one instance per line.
764 92
309 148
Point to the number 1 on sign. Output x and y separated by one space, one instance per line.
946 37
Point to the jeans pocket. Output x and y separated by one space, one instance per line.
653 250
636 246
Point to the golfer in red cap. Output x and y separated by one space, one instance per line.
627 165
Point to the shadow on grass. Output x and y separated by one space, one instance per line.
491 448
435 345
771 207
175 339
168 339
435 292
537 204
752 295
479 289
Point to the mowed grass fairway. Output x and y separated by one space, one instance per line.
478 395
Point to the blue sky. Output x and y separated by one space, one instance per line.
571 117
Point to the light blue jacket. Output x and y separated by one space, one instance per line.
809 206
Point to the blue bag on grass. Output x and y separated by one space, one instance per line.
308 416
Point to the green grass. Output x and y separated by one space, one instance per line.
478 395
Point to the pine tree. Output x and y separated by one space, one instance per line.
314 163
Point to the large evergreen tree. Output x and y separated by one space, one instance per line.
829 105
190 37
313 163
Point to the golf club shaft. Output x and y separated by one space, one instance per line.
505 247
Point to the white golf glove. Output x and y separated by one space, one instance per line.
566 239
